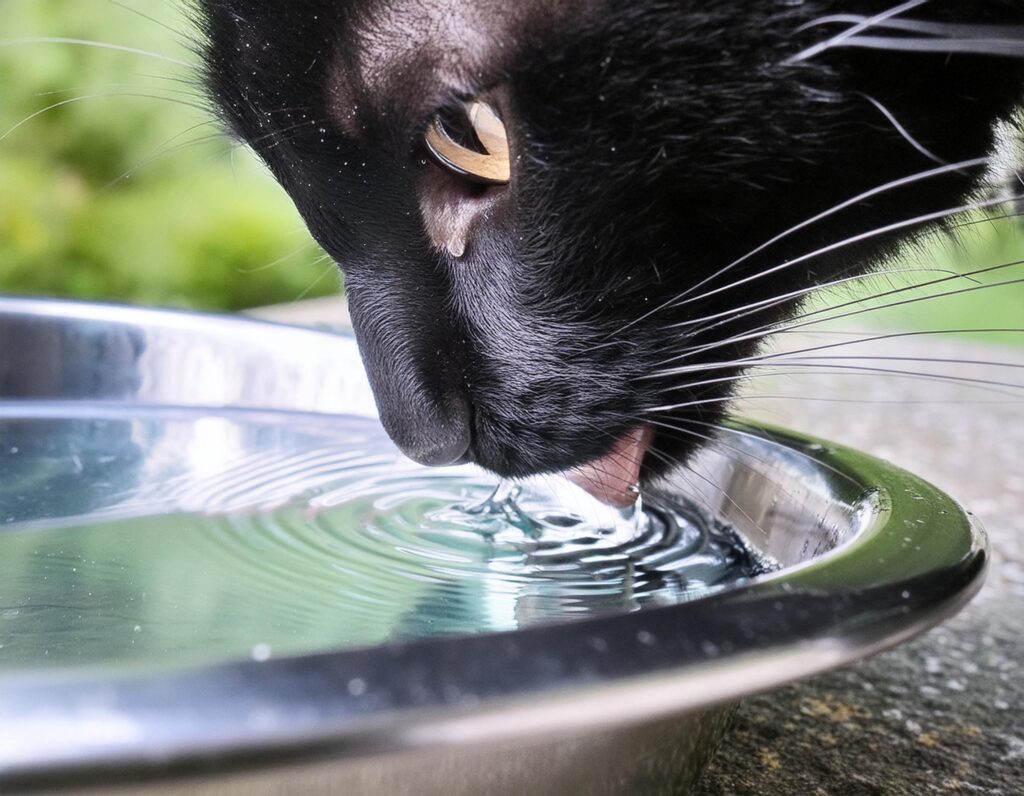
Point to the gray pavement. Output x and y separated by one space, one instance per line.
943 713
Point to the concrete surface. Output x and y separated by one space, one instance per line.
942 714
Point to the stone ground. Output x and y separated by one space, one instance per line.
941 714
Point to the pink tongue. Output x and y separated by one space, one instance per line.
612 479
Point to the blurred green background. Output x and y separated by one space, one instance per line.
127 191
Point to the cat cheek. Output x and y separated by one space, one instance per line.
454 210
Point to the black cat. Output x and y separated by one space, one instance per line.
589 293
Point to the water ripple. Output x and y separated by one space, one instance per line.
154 541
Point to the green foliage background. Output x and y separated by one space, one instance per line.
127 191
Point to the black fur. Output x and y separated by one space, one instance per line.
656 142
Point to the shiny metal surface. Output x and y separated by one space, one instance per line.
624 703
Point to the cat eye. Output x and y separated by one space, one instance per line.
470 140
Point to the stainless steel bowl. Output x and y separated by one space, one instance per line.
625 703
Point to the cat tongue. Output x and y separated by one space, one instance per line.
612 479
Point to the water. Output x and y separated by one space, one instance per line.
174 537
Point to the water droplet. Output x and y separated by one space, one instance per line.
357 686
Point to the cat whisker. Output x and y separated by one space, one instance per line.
98 44
679 469
804 366
904 133
305 245
1002 47
695 402
148 18
1014 397
772 370
946 30
840 38
679 429
881 189
165 150
936 360
190 91
707 479
761 437
917 221
817 368
826 333
940 37
779 397
766 436
331 268
800 321
736 313
744 362
902 182
988 218
278 137
99 95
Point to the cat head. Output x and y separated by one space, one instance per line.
614 283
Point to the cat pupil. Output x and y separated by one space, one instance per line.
457 126
471 142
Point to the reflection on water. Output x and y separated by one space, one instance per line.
191 536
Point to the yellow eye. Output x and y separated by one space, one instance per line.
479 153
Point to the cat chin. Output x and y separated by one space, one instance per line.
613 479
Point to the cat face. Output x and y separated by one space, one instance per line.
597 304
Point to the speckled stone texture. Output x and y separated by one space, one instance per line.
943 713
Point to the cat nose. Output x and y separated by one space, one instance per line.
434 438
442 455
418 383
428 419
429 425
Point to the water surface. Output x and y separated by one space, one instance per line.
156 537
